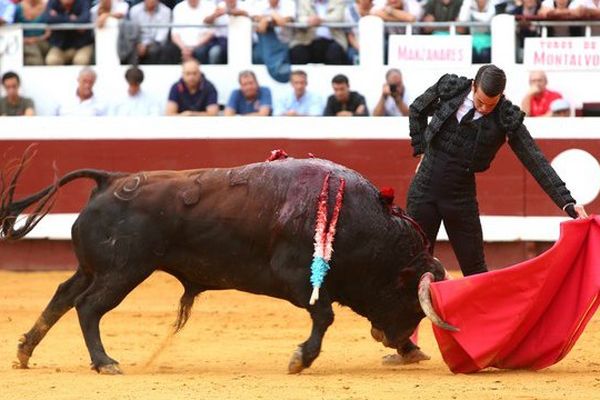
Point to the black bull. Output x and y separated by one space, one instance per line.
249 228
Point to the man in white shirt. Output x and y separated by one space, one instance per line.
299 101
152 46
193 42
393 101
275 14
318 43
136 102
84 103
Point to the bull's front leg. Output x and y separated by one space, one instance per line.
408 351
322 317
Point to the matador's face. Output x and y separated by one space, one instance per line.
484 104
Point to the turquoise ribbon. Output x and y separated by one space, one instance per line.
318 268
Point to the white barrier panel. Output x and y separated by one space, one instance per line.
562 53
423 50
495 228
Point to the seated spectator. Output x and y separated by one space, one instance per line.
136 102
84 103
195 42
218 53
479 11
193 94
272 46
354 12
153 46
523 13
393 101
397 11
560 10
319 44
560 108
108 8
13 104
440 11
69 46
507 6
343 102
250 99
35 41
537 101
588 9
299 101
7 12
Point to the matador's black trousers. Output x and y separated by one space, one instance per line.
444 190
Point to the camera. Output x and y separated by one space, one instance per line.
393 88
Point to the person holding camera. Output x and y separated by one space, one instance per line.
393 100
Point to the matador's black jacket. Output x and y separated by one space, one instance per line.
442 100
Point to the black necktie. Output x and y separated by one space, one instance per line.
468 116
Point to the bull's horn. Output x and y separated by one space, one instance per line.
425 301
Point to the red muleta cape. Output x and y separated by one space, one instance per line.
527 316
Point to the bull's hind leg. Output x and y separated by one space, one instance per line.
105 293
62 301
322 317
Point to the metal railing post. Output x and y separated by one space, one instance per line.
504 44
371 41
239 42
106 44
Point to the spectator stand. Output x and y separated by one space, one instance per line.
42 82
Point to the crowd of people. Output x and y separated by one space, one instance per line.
276 44
195 95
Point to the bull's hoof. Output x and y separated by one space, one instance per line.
412 357
296 366
109 369
22 354
19 365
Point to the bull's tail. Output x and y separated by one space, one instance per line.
185 306
11 209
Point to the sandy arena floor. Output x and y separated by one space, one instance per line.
237 346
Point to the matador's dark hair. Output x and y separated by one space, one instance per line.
491 79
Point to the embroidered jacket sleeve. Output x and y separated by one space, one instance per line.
448 86
531 156
419 110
